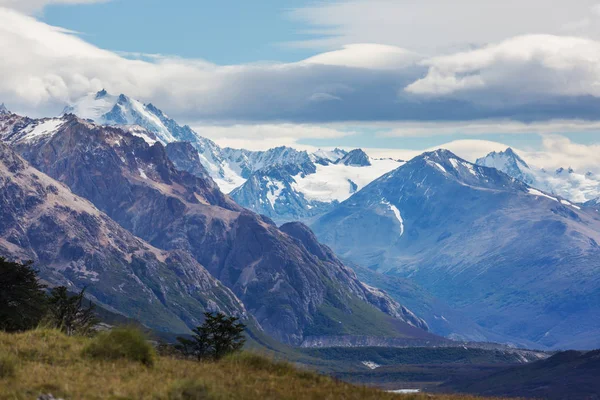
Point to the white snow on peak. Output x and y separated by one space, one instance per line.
536 192
93 106
332 182
397 214
567 183
96 107
38 129
331 155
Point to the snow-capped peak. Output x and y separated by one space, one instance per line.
107 109
327 156
3 109
510 163
356 158
563 182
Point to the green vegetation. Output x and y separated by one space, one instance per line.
360 319
24 304
68 314
48 361
22 297
121 343
219 336
7 366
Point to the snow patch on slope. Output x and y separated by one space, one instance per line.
536 192
396 212
274 189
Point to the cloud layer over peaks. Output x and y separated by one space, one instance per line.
524 78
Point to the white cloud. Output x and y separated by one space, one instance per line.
266 136
367 55
487 127
556 152
536 77
521 68
29 6
442 25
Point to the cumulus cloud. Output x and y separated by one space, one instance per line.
29 6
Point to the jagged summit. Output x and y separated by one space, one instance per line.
356 158
510 163
3 109
101 94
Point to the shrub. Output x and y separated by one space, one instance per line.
121 343
8 366
189 390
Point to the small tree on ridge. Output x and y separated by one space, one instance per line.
68 313
217 337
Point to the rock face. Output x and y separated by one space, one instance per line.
565 182
290 290
357 158
185 158
74 244
523 264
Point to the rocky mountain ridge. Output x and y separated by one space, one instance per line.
292 290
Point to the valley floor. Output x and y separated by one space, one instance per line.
46 361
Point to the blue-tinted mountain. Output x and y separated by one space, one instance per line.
565 182
357 158
569 375
522 263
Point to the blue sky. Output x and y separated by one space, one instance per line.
223 32
378 74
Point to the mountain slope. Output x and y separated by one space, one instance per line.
521 263
293 291
74 244
564 182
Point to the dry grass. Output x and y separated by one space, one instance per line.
46 361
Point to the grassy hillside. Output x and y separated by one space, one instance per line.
46 361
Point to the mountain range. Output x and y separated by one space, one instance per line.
564 182
282 183
522 263
499 250
294 287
